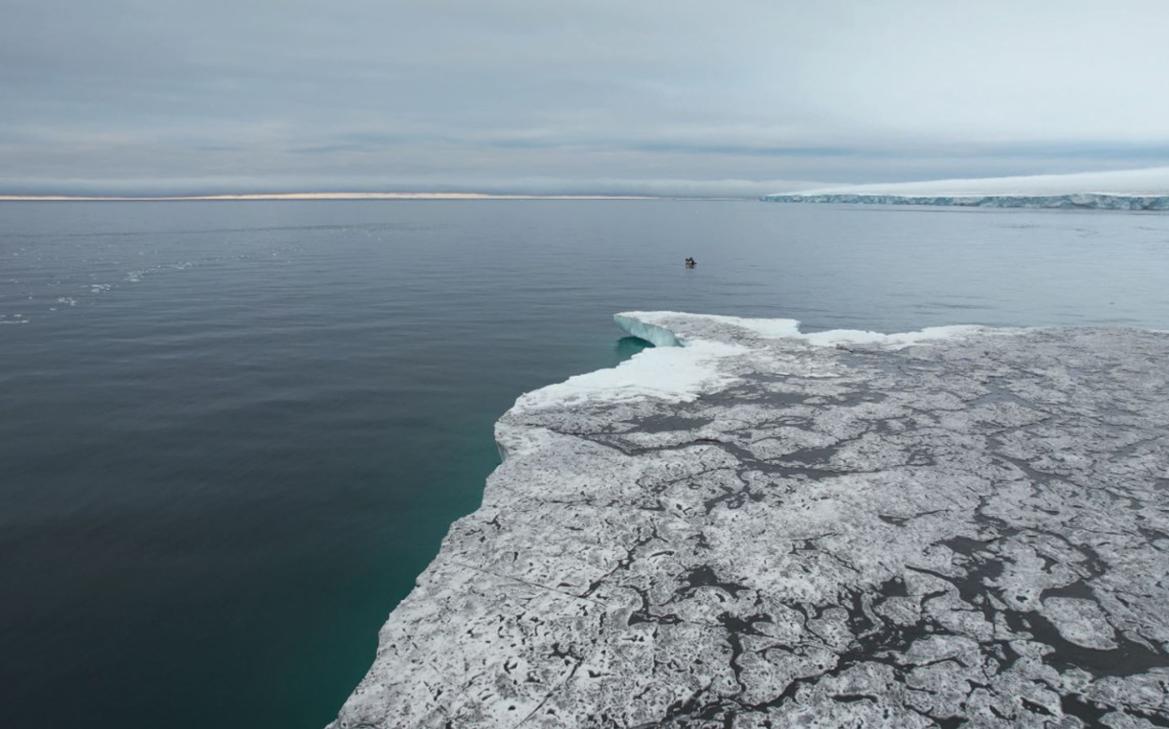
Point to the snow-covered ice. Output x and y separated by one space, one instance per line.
1140 189
752 526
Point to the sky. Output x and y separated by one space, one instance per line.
680 97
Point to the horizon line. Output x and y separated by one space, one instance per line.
250 196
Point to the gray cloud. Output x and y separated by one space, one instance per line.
136 96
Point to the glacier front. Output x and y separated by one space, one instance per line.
763 528
1141 189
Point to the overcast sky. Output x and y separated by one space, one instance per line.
541 96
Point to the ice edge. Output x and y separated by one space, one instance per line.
690 353
370 704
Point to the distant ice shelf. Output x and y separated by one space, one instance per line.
751 526
1143 189
1093 201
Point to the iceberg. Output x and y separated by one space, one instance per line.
749 525
1144 189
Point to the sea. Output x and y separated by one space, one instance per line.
233 433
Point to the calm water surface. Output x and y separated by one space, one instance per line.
232 433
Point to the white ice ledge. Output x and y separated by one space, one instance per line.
1140 189
692 354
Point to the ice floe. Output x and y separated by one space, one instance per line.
761 527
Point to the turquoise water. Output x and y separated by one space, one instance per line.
233 433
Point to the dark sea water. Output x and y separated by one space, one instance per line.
231 434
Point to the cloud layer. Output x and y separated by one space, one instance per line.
509 96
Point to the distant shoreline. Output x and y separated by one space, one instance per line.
1078 201
323 196
1145 189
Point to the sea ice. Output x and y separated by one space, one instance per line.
760 527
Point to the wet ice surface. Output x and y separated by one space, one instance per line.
968 530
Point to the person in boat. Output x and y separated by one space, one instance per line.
690 262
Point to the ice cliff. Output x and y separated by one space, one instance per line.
1143 189
1083 201
1091 201
767 528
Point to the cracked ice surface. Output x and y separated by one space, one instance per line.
774 529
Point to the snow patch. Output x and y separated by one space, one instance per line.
790 329
675 373
892 341
658 320
686 361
